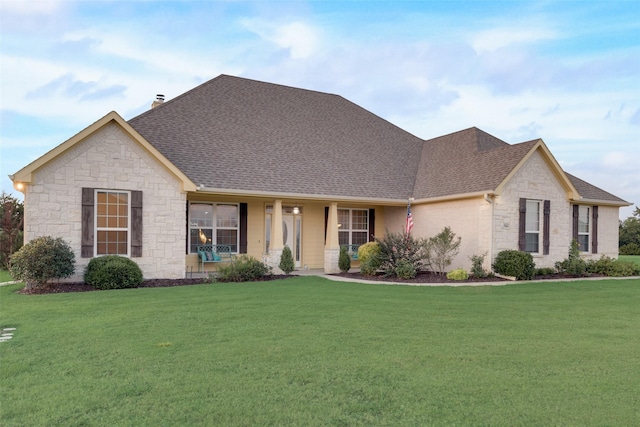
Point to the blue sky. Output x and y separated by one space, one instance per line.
564 71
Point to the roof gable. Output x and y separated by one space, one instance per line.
25 175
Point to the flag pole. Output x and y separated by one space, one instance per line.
409 224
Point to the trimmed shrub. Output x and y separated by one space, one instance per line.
458 274
113 272
573 265
368 250
370 266
477 262
43 259
369 256
405 270
612 267
515 263
545 271
243 268
441 249
286 261
395 248
344 261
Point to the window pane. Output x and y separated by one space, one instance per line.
201 215
343 237
228 237
200 236
268 233
532 242
359 238
583 219
227 216
583 242
112 242
343 219
359 220
533 216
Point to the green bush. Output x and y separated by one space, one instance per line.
545 271
243 268
573 265
286 261
630 249
370 249
370 266
612 267
113 272
458 274
42 259
441 249
405 270
344 260
515 263
477 262
399 248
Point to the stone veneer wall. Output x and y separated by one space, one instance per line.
110 159
534 180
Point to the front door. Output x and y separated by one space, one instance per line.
291 235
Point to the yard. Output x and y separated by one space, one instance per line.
309 351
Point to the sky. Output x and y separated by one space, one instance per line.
567 72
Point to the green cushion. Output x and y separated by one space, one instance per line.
216 257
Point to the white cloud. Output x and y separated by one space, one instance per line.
497 38
301 39
30 7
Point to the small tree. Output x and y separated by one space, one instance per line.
42 259
573 264
286 261
369 257
441 249
344 261
11 227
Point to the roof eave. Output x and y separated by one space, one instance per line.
602 202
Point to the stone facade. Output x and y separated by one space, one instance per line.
110 159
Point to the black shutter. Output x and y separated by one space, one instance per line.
86 244
576 214
546 225
243 228
522 240
326 221
372 225
136 224
594 231
186 241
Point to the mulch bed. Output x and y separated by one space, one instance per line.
425 277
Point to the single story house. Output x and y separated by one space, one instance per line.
258 166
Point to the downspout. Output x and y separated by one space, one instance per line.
489 199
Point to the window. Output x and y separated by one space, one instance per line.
213 224
532 227
583 228
534 223
353 226
112 223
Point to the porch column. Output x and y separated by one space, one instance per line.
277 242
332 247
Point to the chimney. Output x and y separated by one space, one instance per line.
158 102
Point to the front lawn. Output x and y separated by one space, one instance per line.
5 276
309 351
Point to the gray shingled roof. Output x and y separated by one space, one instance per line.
232 133
591 192
240 134
467 161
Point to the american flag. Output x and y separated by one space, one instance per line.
409 219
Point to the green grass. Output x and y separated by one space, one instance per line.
308 351
631 258
5 276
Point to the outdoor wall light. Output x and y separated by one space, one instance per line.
296 210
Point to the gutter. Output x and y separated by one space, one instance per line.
488 197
